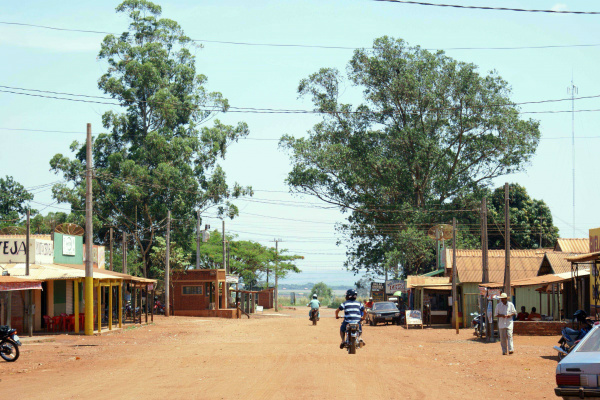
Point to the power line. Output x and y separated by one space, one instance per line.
279 110
421 3
313 46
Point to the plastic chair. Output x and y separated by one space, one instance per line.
57 322
48 323
70 323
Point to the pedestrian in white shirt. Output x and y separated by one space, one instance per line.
505 311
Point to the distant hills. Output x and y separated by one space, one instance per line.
309 285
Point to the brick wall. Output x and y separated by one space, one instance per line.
538 328
265 298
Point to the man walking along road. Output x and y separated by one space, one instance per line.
505 311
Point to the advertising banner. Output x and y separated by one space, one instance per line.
413 317
395 285
594 240
69 245
13 251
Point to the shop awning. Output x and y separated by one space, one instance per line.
434 286
538 280
434 273
8 283
585 257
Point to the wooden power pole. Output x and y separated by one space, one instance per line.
29 292
168 268
198 239
485 274
454 276
89 234
506 242
110 247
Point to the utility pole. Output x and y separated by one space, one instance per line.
454 276
29 292
198 239
168 268
224 250
507 242
89 234
485 275
110 247
541 230
573 90
124 252
276 269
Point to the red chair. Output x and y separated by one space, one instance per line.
57 322
70 323
48 323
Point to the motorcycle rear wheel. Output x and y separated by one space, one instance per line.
9 350
352 348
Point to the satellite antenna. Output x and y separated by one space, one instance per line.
70 229
437 233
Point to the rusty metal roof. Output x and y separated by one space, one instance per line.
578 246
422 280
523 264
585 257
555 263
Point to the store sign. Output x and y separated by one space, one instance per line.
377 286
44 251
14 251
98 256
594 240
69 244
395 285
413 317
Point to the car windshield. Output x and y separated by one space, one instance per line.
591 343
384 307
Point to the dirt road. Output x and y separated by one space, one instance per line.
277 356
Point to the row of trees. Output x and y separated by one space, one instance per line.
424 144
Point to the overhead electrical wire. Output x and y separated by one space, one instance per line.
11 90
489 8
319 46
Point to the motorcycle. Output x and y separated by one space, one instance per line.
478 323
129 310
353 340
570 338
314 315
9 344
159 308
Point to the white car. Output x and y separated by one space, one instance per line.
578 374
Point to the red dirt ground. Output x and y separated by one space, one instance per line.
282 357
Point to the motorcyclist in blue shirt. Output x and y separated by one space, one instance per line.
314 304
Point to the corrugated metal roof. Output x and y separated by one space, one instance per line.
557 262
51 272
578 246
14 279
413 280
585 257
523 264
110 274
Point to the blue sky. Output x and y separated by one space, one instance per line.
267 77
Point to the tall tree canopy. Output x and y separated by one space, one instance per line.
14 200
157 155
430 130
531 222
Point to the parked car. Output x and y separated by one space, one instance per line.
383 311
577 373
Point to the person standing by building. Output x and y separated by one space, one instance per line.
505 310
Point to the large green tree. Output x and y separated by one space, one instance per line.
158 154
429 130
14 201
531 222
